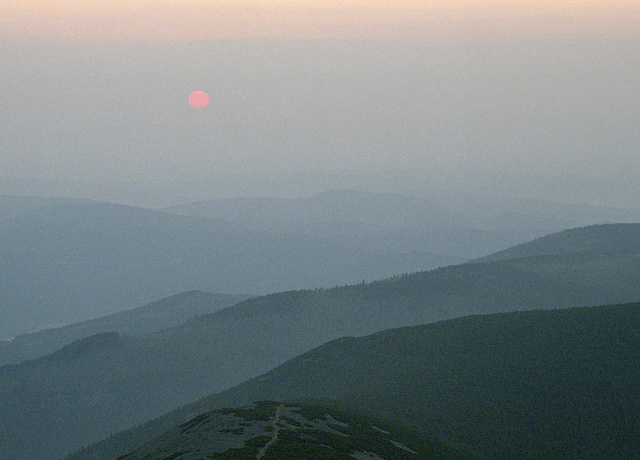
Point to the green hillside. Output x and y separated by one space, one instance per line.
275 431
76 401
559 384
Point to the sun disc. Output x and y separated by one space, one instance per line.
198 99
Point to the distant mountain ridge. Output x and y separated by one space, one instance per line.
156 316
66 260
531 385
296 214
434 210
11 205
620 239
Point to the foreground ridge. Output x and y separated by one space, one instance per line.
272 430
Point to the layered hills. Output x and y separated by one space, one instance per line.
438 210
87 392
556 384
68 260
156 316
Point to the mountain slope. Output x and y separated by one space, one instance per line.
556 384
155 316
81 400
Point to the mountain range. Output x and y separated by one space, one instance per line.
67 260
109 382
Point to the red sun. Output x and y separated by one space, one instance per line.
198 99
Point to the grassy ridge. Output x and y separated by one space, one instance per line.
290 431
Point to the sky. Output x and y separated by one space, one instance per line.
149 20
97 91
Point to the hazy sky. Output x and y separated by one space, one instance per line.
97 91
98 20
